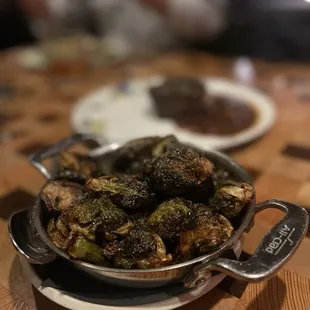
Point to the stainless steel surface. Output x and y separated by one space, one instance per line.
276 248
37 158
27 241
193 272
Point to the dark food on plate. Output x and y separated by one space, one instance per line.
175 208
176 96
186 101
223 116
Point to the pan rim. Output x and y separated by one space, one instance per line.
100 151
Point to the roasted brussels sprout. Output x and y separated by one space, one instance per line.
87 251
143 249
139 243
158 197
125 191
140 219
182 172
211 230
89 231
61 195
56 235
77 168
135 156
112 249
230 199
171 217
62 224
98 216
179 96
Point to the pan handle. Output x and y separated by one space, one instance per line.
276 248
37 158
26 240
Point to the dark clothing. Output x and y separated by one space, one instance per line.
272 36
14 29
261 34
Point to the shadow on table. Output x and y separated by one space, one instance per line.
15 201
271 297
209 301
43 303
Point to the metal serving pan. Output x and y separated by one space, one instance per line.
277 247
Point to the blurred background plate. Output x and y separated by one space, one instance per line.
125 111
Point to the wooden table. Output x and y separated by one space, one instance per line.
34 112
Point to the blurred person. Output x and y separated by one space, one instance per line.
14 28
148 25
225 27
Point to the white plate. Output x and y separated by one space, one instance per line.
124 112
163 298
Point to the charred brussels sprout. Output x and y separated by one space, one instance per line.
61 195
136 155
211 230
171 217
77 219
112 249
98 216
62 224
87 251
230 199
182 172
125 191
139 243
77 168
60 238
143 249
140 219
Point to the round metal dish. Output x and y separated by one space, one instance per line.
275 250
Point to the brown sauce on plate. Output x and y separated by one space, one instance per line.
187 102
221 116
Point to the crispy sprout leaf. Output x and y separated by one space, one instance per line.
171 217
77 168
98 215
184 173
135 156
83 249
142 249
58 196
230 199
127 192
211 230
56 235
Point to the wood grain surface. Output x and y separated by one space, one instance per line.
34 112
